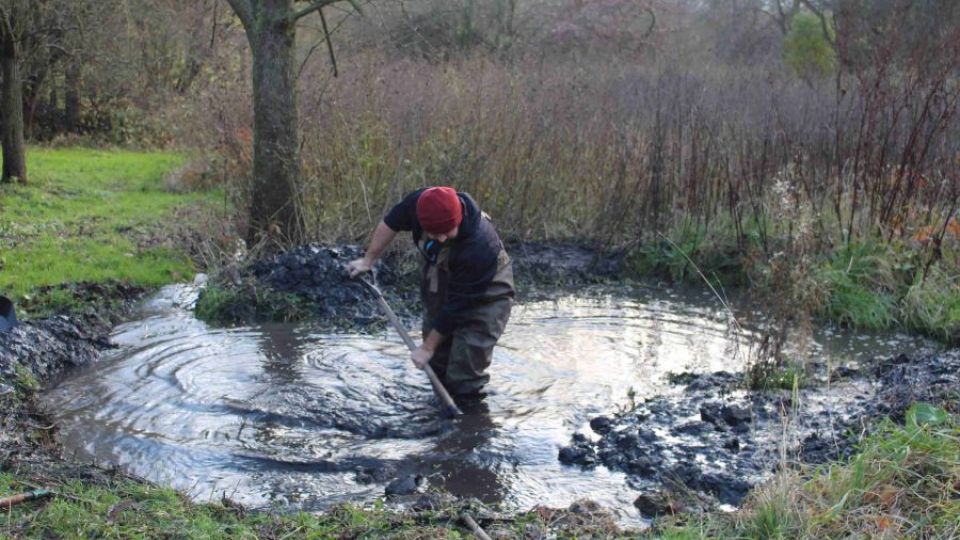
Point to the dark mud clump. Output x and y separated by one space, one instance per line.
42 348
541 269
45 347
32 353
715 441
38 350
307 283
931 379
317 274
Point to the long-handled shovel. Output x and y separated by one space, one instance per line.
441 392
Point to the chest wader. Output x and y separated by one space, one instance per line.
462 359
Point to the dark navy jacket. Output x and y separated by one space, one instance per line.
473 261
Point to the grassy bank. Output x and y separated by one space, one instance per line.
125 508
107 217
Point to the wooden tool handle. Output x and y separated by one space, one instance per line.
438 387
7 502
474 527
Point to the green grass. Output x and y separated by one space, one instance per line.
129 509
124 508
770 375
861 282
932 306
246 301
878 287
89 216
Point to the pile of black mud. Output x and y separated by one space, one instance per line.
46 347
40 349
904 381
309 283
32 353
318 275
311 280
712 441
541 269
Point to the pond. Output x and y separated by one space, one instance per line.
285 416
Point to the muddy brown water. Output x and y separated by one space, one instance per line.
284 416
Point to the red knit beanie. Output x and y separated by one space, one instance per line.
439 210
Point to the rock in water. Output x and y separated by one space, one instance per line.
405 485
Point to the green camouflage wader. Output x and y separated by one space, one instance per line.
462 358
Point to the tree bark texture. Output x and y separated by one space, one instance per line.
71 95
275 208
11 110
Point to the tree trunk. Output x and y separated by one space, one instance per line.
275 209
11 109
71 95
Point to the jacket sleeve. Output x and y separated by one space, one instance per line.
403 216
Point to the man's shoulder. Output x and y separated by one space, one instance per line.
482 242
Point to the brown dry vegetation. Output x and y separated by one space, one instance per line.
672 132
583 137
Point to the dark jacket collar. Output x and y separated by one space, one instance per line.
471 216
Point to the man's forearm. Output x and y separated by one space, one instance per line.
434 339
382 236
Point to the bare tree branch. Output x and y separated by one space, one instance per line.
314 47
326 36
782 19
57 47
315 6
243 9
6 28
356 6
213 31
653 23
824 25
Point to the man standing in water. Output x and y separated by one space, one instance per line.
466 283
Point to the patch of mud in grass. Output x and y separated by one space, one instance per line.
713 442
31 354
907 380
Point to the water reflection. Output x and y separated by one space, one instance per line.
282 353
457 464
